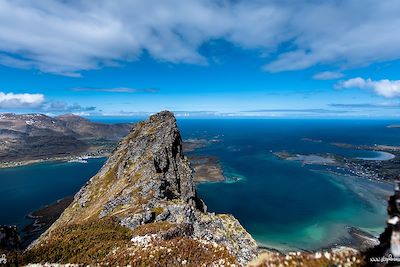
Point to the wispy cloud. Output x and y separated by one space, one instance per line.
196 113
66 37
178 113
367 105
328 75
118 90
385 88
316 111
11 100
338 112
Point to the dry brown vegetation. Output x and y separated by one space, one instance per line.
105 242
152 228
180 251
80 243
318 259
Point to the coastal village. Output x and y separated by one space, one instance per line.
384 169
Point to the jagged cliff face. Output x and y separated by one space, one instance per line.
146 188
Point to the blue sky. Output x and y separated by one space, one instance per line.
201 58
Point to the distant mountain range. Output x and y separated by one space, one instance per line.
37 136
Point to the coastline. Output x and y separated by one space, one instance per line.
43 218
357 239
310 159
383 155
372 190
42 222
15 164
382 168
206 169
189 145
224 179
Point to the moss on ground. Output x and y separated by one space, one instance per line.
157 210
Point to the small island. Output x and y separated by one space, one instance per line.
206 169
307 159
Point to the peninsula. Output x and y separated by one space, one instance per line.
384 167
32 138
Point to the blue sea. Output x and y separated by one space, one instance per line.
281 203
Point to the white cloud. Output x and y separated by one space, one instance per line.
117 90
11 100
328 75
36 102
385 88
66 37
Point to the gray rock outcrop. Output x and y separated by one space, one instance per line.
148 181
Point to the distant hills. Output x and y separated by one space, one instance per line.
37 136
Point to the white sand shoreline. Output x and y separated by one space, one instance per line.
382 155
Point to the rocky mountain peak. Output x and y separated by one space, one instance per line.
150 159
146 186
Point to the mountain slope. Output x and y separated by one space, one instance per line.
38 137
142 209
87 129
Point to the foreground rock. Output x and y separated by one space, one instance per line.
141 208
387 253
9 238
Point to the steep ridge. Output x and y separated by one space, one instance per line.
142 208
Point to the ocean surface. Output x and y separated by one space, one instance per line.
281 203
27 188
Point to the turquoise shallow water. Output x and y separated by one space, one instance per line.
281 203
289 206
